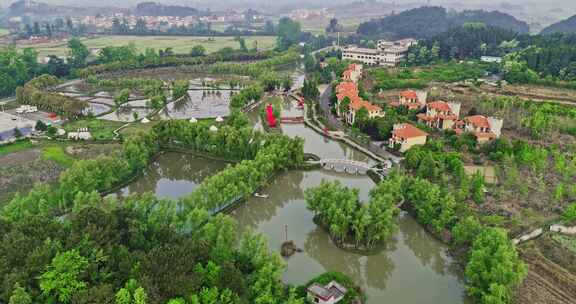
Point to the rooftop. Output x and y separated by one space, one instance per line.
406 130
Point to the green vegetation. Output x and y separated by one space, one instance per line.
16 68
494 267
568 242
179 44
351 222
16 147
56 153
569 214
420 78
145 249
4 32
34 93
100 129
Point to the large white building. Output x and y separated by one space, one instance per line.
387 53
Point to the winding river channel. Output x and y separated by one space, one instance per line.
413 268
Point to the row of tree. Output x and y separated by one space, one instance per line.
36 93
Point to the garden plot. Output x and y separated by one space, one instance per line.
127 114
200 104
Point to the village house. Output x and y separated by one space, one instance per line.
353 73
440 114
482 127
348 88
329 294
411 99
406 136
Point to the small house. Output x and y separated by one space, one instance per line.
406 136
411 99
331 293
482 127
440 114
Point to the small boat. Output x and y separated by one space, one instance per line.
260 195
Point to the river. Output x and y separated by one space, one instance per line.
413 267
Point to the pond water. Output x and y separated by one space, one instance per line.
200 104
173 175
126 114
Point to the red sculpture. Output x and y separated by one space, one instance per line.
270 117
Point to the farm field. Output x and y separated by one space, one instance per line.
180 44
4 32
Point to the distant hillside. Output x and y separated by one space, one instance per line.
426 22
564 26
158 9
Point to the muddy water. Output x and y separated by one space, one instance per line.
174 175
412 268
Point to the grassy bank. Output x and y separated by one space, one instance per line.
15 147
179 44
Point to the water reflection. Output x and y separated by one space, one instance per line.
174 175
413 267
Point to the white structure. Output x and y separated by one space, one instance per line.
145 120
213 128
80 134
491 59
26 109
387 53
329 294
219 119
193 120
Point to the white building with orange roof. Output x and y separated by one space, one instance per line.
440 114
411 99
482 127
406 136
348 88
353 73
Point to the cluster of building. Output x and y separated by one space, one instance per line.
165 22
304 14
440 115
386 53
348 89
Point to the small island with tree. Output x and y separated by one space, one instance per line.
350 222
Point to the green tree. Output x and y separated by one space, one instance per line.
197 51
20 296
122 97
77 52
288 33
569 214
64 276
361 118
494 267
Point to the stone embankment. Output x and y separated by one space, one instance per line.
558 228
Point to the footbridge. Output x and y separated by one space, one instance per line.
343 165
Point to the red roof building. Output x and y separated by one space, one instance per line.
440 114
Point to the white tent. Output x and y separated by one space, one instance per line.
193 120
145 120
213 128
219 119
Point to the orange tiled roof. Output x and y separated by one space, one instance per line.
409 94
440 106
406 130
478 121
358 103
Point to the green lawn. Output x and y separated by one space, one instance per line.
15 147
4 32
180 44
55 152
100 129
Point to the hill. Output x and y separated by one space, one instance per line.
426 22
158 9
564 26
